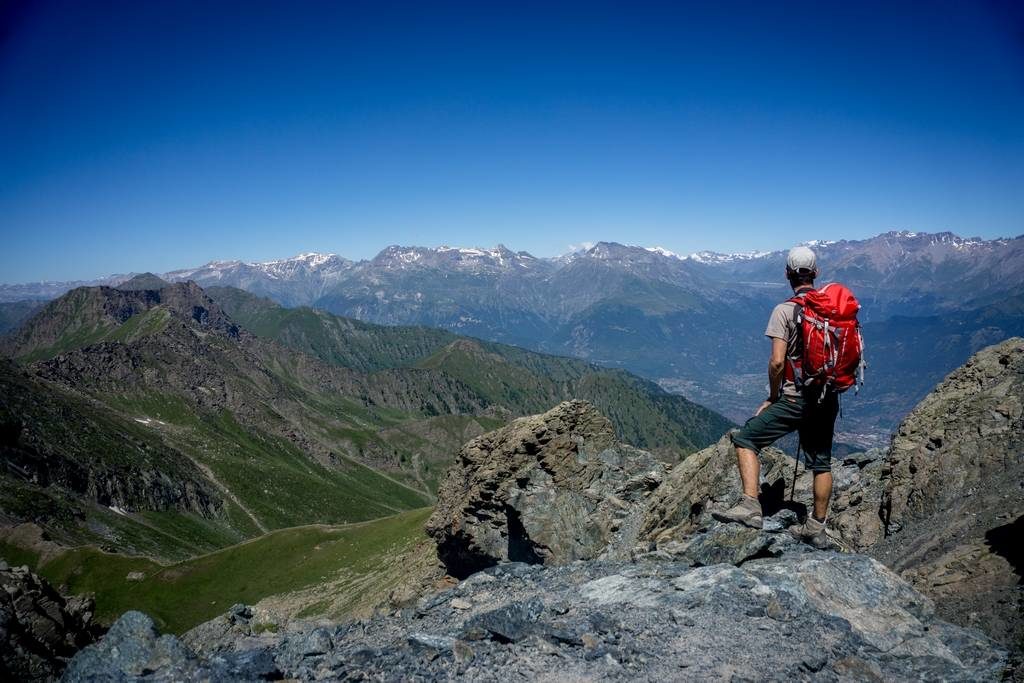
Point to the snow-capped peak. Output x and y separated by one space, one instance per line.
311 259
445 256
499 252
716 257
663 252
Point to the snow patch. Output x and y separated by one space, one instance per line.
579 247
716 257
663 252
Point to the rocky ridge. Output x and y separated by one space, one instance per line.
559 487
88 313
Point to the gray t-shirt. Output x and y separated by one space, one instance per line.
783 325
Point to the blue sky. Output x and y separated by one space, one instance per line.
154 135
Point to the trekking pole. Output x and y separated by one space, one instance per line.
796 468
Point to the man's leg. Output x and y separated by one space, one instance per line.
812 531
816 434
750 470
779 419
822 494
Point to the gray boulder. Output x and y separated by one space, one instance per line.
133 650
550 488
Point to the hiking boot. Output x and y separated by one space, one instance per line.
747 511
811 532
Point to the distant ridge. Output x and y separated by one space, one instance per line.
143 281
328 268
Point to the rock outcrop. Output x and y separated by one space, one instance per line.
40 630
558 487
953 497
550 488
969 428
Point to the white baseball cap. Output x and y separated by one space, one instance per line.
801 258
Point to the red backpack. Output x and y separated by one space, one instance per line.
833 346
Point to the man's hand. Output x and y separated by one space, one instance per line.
761 408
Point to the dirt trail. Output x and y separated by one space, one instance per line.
208 473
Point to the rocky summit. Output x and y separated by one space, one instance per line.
583 558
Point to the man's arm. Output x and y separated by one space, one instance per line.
776 368
776 372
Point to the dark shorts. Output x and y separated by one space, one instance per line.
813 420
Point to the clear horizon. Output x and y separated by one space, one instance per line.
154 136
571 248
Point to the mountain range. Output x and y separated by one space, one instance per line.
692 323
163 419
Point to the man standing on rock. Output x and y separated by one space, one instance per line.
788 408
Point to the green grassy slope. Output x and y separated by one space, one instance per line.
520 381
282 486
169 535
163 430
360 563
183 480
69 461
527 382
340 341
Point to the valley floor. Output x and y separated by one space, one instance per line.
334 571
